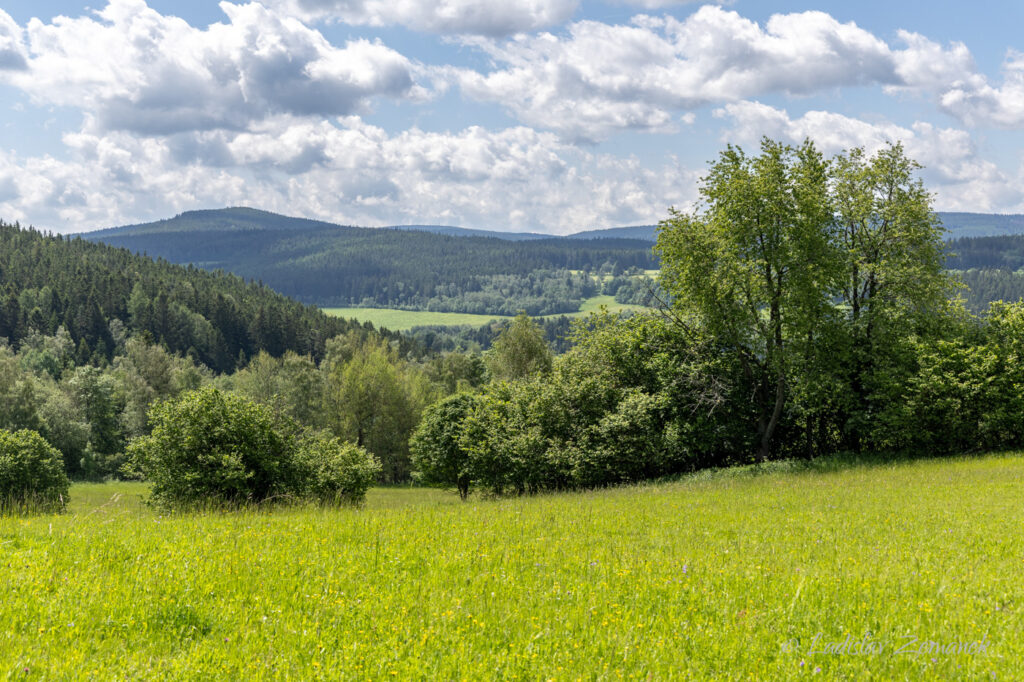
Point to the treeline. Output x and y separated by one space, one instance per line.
98 295
556 332
982 287
635 289
363 391
1003 252
541 292
810 314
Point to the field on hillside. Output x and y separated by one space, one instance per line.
401 320
728 575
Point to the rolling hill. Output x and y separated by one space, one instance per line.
334 265
51 282
447 268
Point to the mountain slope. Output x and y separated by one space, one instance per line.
333 265
429 267
50 282
236 219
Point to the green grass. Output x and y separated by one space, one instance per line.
713 576
594 303
400 320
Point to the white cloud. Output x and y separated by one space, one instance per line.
481 17
953 168
977 103
351 173
663 4
603 78
135 69
926 65
12 48
951 77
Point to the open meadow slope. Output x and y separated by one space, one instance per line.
402 320
725 575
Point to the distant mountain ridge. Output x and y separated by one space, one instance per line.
647 233
958 224
242 218
405 266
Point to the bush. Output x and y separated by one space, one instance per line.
336 472
437 455
32 476
209 447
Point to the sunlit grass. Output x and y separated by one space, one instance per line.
710 577
402 320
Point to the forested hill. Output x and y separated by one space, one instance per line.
332 265
427 267
241 218
98 292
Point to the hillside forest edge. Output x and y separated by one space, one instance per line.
808 306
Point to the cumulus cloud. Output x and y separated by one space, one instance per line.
481 17
665 4
602 78
135 69
925 65
351 173
953 167
978 103
12 48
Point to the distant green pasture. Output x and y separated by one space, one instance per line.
400 320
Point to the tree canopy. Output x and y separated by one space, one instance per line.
789 255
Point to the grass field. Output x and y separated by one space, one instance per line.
400 320
726 575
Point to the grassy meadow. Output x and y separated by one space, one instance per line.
722 575
402 320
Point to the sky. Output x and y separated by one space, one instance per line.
544 115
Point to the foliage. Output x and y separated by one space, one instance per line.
32 474
438 454
519 351
94 396
373 402
892 281
471 339
336 472
754 268
209 447
1003 252
633 400
982 287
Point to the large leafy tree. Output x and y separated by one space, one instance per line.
753 266
814 274
893 279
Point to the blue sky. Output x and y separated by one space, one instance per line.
548 115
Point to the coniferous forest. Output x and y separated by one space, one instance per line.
332 265
98 295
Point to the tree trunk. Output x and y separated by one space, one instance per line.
769 429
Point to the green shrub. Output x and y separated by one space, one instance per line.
214 448
437 455
32 476
336 472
